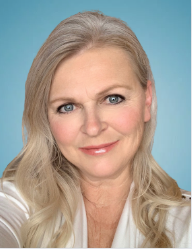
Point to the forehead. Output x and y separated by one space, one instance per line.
94 69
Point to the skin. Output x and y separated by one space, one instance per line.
95 120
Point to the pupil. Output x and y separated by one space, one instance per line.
68 108
113 99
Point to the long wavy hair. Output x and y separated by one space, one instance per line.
48 182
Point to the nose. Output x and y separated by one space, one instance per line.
93 124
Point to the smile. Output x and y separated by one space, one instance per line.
100 150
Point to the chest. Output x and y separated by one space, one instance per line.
101 229
99 236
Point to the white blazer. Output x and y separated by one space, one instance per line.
126 236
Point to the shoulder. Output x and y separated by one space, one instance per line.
13 212
9 192
179 222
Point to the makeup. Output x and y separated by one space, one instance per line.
98 150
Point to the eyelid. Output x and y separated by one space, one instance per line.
70 103
117 95
59 108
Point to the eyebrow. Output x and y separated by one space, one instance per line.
97 95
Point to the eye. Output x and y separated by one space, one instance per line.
115 99
65 109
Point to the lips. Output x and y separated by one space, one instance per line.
97 146
99 149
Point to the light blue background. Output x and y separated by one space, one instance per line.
164 29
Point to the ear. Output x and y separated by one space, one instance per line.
148 101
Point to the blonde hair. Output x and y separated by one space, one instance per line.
48 182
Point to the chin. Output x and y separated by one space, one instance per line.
102 171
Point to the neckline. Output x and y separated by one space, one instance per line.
119 240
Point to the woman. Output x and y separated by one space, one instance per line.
86 176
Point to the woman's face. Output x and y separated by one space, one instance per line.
96 99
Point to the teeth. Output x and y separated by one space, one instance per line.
100 151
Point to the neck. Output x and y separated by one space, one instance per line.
106 193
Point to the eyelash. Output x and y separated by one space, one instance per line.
116 95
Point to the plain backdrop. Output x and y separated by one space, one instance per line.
163 27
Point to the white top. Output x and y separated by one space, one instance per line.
14 212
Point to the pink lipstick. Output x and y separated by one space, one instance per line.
98 149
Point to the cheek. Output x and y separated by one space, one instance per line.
128 120
63 132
